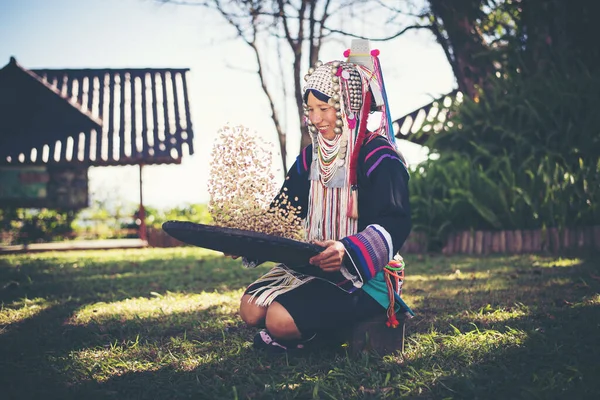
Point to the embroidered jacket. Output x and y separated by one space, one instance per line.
383 205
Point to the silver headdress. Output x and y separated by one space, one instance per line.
354 88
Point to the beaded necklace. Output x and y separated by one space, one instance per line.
327 217
329 150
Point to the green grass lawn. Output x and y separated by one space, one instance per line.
163 324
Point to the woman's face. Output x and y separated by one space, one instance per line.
322 115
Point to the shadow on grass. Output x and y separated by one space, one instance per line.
48 359
45 357
37 350
553 312
90 280
240 374
556 358
205 352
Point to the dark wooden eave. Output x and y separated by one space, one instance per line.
33 113
428 119
141 116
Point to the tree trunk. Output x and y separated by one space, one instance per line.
463 43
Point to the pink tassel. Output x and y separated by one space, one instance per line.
351 121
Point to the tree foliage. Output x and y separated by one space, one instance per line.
25 225
522 152
483 37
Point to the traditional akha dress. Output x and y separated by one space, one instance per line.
325 300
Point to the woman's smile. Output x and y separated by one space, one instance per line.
322 115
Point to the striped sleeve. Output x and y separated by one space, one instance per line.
368 251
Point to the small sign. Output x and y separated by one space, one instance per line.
23 183
56 187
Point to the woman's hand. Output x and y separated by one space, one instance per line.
231 255
330 259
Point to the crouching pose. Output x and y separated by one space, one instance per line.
351 187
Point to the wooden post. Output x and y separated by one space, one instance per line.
457 243
448 249
527 241
565 238
373 334
487 242
554 240
478 242
142 212
470 242
502 241
518 242
510 242
495 242
540 240
579 237
464 242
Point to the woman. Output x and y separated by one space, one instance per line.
350 186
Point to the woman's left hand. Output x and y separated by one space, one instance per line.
330 259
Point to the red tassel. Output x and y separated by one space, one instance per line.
392 321
362 131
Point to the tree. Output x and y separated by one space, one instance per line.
479 37
304 26
522 152
482 37
455 25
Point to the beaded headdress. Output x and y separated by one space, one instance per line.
349 81
354 88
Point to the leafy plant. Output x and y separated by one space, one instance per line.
197 213
25 225
524 155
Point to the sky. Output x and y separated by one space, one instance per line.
223 87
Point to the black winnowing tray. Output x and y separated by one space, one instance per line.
249 244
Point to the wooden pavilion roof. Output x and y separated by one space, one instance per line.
94 116
429 119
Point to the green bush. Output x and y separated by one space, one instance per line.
525 156
197 213
25 225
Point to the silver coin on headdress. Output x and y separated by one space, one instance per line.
325 79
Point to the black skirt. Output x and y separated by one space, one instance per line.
320 306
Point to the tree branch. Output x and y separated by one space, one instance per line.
403 31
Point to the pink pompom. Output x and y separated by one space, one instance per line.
351 120
375 52
351 124
347 53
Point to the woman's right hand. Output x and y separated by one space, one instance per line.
231 255
332 258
